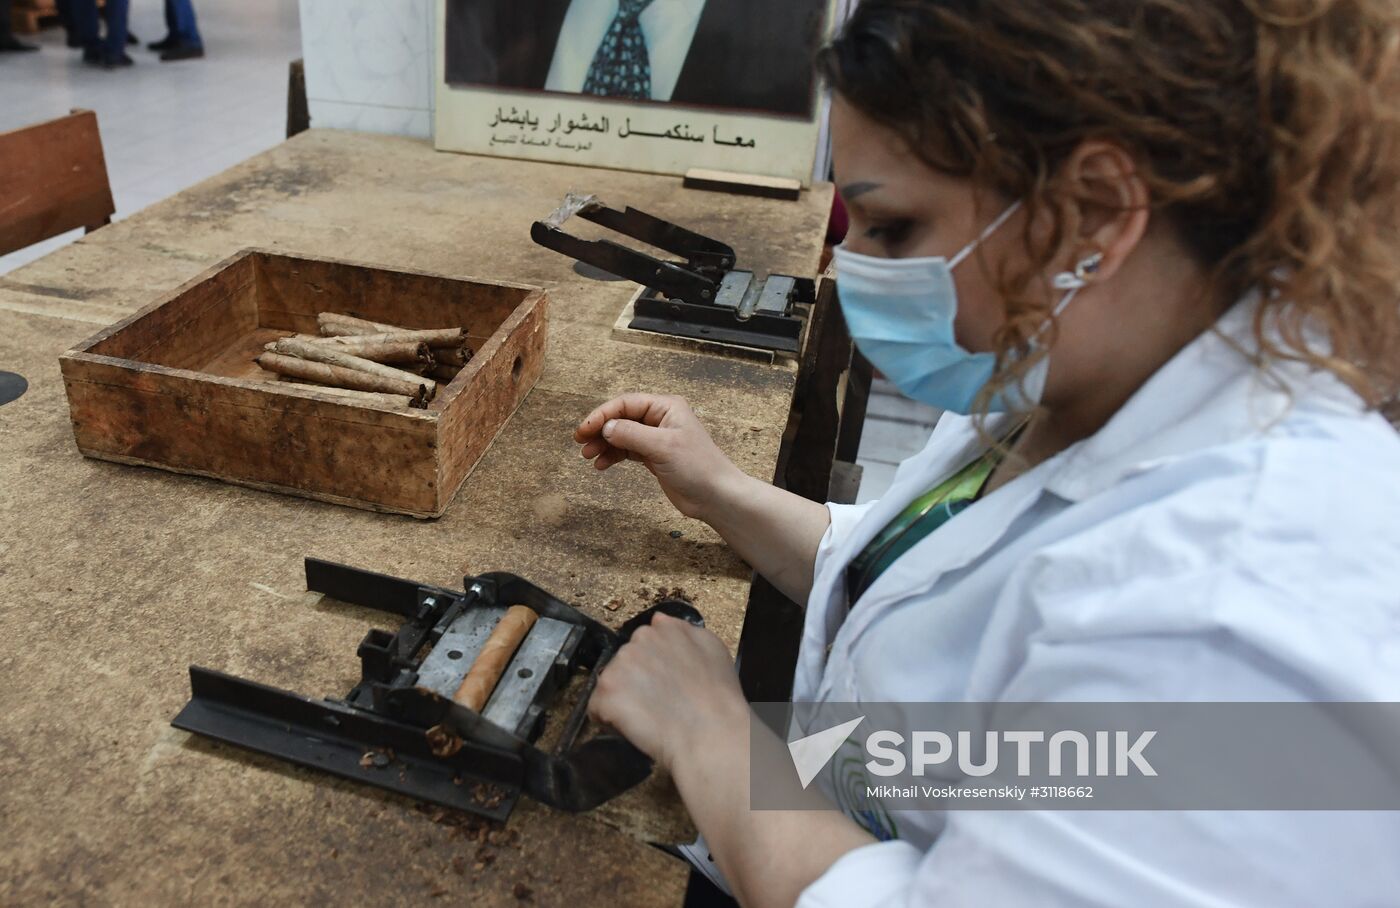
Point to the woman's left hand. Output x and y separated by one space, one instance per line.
671 687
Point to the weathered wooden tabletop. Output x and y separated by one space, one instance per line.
113 579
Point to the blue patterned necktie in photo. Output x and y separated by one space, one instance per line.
621 67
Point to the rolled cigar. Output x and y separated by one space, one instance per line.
354 379
364 397
365 326
322 353
400 352
495 655
337 332
340 332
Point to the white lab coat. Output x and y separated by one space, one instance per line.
1212 542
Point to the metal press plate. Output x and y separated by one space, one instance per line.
733 288
445 667
776 295
447 664
528 671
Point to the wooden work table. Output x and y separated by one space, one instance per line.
113 579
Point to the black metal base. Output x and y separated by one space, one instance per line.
397 730
351 743
676 318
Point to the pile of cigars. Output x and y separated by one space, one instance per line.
370 361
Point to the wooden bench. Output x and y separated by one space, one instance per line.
27 16
53 178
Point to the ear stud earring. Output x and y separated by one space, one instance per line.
1079 277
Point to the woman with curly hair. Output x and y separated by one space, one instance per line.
1146 253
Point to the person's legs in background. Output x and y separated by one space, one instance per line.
80 18
170 40
130 38
65 16
8 41
187 43
111 50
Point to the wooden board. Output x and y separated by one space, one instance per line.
743 184
174 386
28 16
53 178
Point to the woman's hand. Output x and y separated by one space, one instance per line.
671 689
673 692
663 434
775 531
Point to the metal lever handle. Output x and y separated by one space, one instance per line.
581 779
673 280
676 608
699 251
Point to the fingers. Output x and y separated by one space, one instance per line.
647 442
605 455
649 409
660 684
600 446
629 428
608 458
601 703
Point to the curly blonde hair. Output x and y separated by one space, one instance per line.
1266 131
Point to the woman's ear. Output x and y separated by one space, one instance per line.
1109 203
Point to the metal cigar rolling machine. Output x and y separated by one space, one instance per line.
453 707
703 298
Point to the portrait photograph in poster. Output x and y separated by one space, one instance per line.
729 54
651 85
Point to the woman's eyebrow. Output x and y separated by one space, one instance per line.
854 190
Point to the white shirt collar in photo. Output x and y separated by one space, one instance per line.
668 26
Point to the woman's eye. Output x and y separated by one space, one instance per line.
890 232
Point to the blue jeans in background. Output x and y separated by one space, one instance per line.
80 18
115 12
179 19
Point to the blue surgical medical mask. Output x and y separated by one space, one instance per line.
900 313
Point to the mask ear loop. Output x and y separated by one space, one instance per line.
1072 282
1076 280
991 228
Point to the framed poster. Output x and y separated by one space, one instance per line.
652 85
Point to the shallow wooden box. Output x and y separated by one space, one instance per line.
175 386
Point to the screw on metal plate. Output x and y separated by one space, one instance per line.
12 387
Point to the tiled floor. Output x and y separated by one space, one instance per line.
165 126
168 126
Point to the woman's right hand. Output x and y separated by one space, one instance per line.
663 434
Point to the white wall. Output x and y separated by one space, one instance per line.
369 64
